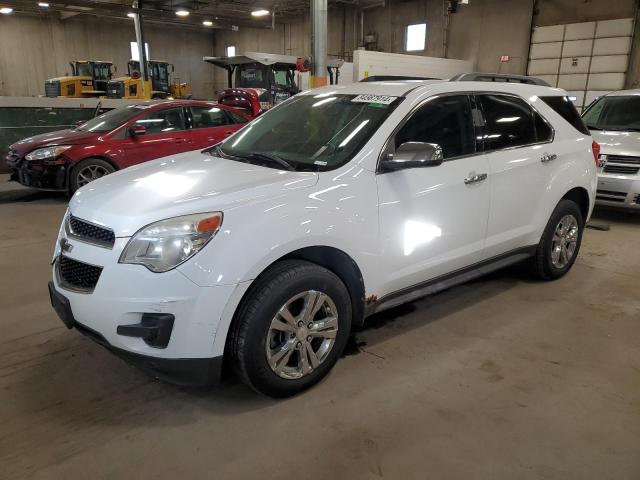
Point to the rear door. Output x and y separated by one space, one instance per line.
210 124
519 150
165 135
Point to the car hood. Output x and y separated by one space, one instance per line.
192 182
618 143
59 137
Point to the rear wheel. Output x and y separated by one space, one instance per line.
291 328
560 242
87 171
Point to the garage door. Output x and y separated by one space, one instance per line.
586 59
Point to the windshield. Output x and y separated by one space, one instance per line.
614 113
110 120
84 70
252 75
312 132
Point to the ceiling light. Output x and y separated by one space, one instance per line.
6 10
260 13
43 4
131 15
182 13
207 23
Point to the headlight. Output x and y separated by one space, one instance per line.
166 244
47 152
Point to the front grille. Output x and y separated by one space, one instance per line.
52 88
622 169
610 199
90 232
78 275
612 193
623 159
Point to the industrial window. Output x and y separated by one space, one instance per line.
230 51
415 37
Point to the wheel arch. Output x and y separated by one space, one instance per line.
580 196
73 165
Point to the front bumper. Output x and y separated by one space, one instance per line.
179 371
620 191
39 174
125 295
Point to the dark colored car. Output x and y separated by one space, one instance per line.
68 159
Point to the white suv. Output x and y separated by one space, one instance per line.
338 203
614 121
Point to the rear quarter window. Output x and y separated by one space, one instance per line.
564 107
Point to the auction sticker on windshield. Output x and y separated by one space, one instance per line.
368 98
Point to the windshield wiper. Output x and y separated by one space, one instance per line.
270 158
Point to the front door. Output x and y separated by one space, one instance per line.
433 220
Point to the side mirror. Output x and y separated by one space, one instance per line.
413 155
79 123
135 130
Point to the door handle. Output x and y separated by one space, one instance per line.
548 157
475 178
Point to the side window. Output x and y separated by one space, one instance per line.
207 117
236 118
509 122
163 121
564 107
544 133
446 121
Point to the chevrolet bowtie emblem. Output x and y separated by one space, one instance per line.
65 246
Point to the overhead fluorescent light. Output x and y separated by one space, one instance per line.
260 13
6 10
207 23
43 4
182 13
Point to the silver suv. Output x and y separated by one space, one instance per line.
614 122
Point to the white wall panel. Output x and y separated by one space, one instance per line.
615 28
612 46
575 65
607 64
546 50
544 67
606 81
577 48
580 31
573 82
550 79
553 33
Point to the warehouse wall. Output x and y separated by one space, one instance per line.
33 49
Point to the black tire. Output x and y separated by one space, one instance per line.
75 177
542 264
250 331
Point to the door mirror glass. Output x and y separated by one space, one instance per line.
414 155
135 130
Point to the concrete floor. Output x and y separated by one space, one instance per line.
504 378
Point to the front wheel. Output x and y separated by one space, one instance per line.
291 329
560 242
87 171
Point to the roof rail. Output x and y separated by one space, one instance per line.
498 77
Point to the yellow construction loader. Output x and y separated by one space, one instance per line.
89 78
158 85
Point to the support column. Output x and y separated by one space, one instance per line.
142 52
319 43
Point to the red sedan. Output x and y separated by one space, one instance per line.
68 159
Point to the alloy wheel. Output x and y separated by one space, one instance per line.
90 173
302 334
565 241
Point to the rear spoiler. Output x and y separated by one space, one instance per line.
498 77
